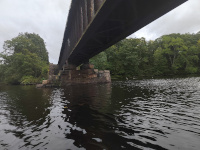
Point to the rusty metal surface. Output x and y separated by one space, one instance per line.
94 25
81 14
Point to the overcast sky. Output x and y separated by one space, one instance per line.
48 19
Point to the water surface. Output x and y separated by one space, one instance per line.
138 114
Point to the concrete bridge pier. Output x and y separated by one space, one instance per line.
85 75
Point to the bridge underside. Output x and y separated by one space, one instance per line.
115 20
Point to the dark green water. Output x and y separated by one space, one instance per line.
139 114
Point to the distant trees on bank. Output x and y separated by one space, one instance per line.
24 60
174 54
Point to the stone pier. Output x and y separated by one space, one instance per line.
70 75
86 75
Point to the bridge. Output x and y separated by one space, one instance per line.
95 25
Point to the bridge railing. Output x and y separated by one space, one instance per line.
81 14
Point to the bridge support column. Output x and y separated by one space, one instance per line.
69 66
87 66
86 75
70 75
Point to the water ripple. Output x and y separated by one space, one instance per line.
138 114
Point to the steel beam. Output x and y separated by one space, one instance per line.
91 11
114 20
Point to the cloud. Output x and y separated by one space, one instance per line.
44 17
183 19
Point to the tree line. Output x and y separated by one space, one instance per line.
24 60
174 54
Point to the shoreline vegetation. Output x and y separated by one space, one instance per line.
25 58
169 55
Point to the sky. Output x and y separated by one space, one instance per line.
48 19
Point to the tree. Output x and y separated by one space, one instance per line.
24 60
167 55
27 41
179 56
160 63
100 61
129 57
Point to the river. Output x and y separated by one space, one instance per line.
136 114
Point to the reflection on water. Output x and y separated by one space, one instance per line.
139 114
24 114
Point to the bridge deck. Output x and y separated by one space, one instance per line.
114 20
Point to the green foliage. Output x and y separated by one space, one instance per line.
160 63
168 55
21 64
129 58
2 70
181 58
30 41
100 61
27 80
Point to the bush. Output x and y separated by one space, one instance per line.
28 80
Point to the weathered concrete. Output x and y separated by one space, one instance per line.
86 76
87 66
70 76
